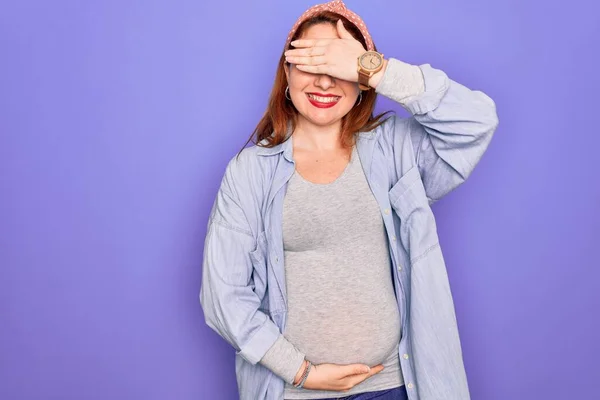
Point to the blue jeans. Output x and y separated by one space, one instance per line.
398 393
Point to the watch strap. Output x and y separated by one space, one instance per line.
363 79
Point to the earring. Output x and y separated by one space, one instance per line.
359 98
287 93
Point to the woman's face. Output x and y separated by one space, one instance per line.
320 99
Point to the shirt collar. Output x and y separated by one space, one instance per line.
285 147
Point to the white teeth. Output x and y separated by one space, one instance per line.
323 99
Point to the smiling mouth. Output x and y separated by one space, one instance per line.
323 101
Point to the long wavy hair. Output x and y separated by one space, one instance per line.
280 111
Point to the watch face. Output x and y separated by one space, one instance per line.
370 60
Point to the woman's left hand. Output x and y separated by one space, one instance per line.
337 58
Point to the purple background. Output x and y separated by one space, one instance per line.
117 119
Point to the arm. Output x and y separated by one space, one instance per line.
451 125
285 360
231 308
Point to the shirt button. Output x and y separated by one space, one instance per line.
394 237
387 211
405 356
276 259
410 385
399 267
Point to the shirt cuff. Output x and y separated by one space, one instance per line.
258 344
284 359
401 81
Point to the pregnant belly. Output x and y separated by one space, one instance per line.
346 330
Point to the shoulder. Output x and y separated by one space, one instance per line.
240 163
247 174
243 166
243 184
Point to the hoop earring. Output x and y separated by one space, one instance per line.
359 99
287 93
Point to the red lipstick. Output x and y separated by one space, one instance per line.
322 104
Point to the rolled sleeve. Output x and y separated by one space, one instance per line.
401 81
284 359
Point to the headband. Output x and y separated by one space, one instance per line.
337 7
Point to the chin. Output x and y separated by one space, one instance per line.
323 120
325 117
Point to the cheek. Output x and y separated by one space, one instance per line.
348 105
298 80
350 89
351 95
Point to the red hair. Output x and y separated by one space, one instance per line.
273 125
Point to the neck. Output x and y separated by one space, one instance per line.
309 136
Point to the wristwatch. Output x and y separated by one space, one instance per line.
369 63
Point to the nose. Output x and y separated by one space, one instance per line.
324 81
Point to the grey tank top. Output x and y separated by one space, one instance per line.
341 303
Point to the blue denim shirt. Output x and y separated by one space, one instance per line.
409 164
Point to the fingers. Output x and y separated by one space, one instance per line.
315 69
341 30
308 56
316 60
311 42
376 369
358 369
306 51
354 379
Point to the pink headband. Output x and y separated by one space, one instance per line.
338 7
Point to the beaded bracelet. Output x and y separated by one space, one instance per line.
304 375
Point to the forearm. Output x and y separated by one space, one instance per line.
398 80
284 359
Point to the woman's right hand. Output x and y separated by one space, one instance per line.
338 377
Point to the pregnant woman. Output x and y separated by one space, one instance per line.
322 265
